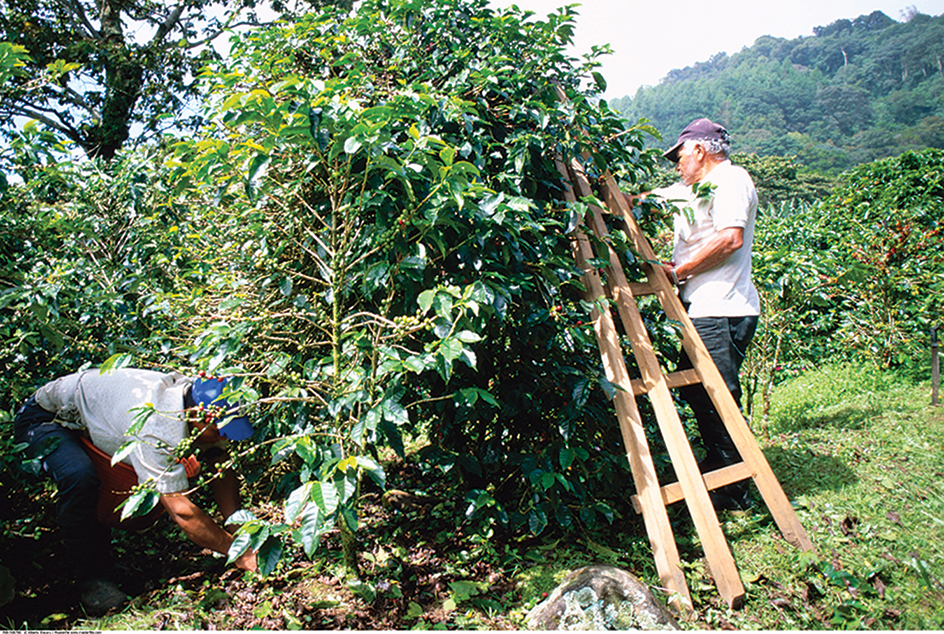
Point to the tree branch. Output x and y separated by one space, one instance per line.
79 13
168 25
25 111
70 96
223 29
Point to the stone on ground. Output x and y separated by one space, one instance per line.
601 597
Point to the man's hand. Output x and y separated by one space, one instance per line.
632 198
202 530
247 561
669 268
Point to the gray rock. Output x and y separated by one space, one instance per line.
601 597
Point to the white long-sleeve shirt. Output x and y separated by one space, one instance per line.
104 405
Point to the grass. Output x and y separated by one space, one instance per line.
859 451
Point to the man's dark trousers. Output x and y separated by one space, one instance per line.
726 339
87 543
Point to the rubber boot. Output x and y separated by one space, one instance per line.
734 497
89 549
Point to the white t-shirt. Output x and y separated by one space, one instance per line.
725 290
103 404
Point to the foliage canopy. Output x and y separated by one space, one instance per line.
860 273
369 234
99 72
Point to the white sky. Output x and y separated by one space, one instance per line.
651 37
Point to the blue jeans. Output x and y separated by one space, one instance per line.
87 542
727 339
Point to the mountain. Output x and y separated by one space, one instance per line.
855 91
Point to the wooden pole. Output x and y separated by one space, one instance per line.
935 367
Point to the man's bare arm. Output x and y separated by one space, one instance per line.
201 529
719 249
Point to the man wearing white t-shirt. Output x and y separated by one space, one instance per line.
103 407
712 268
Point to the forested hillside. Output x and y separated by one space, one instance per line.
856 91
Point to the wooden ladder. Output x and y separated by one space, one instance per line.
651 499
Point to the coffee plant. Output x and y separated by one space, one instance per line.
386 258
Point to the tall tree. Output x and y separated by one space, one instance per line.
102 70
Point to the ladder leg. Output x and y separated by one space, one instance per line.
632 429
654 514
719 556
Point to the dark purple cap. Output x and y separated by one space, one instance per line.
697 130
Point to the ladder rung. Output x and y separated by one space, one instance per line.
673 380
672 493
638 289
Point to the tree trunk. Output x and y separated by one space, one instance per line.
123 82
349 549
124 79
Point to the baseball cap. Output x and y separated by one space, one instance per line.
697 130
207 391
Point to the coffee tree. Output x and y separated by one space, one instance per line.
855 276
87 256
887 218
386 256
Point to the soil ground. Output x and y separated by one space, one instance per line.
176 585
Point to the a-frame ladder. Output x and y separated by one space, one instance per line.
651 499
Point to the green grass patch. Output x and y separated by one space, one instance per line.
860 453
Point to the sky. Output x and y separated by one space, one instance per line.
651 37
